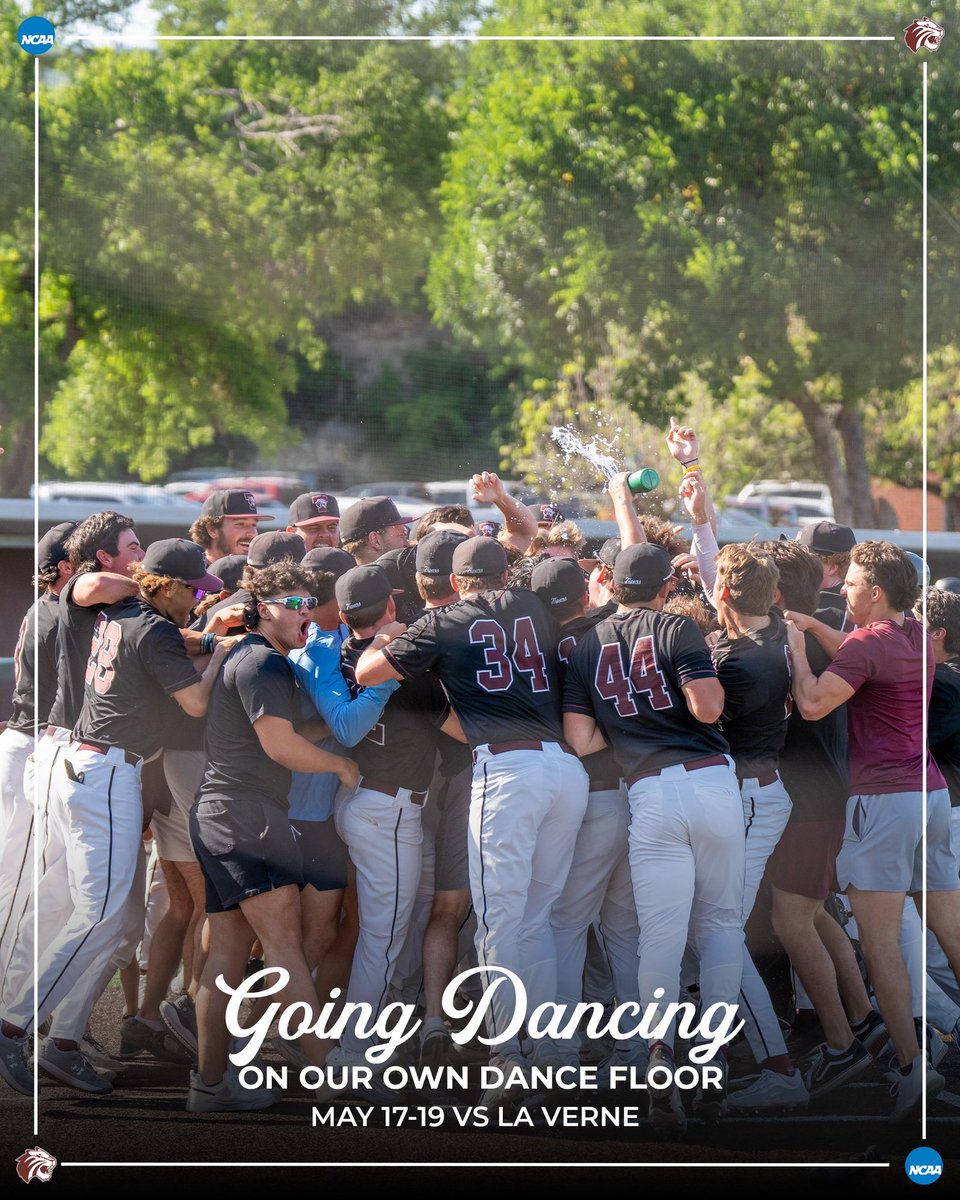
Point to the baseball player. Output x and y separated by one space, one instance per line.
598 885
877 673
136 661
227 524
315 516
380 821
35 682
372 526
241 832
495 653
643 681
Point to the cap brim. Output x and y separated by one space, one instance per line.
209 583
316 521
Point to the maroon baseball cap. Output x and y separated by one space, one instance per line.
232 502
180 559
313 508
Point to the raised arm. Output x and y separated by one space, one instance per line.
519 524
629 527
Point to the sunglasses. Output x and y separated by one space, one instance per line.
198 593
295 603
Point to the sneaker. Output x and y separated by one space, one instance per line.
907 1090
873 1035
936 1048
770 1090
513 1089
225 1096
137 1036
290 1052
180 1018
667 1115
436 1047
94 1053
710 1103
70 1067
13 1064
830 1071
622 1056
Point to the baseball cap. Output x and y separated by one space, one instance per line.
922 568
180 559
362 586
435 553
826 537
232 502
479 556
949 583
267 548
313 508
558 581
368 515
330 559
489 528
50 548
546 514
607 554
642 566
229 568
401 566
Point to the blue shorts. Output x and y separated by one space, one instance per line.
244 848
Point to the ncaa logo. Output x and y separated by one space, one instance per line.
36 35
923 1165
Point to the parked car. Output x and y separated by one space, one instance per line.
104 494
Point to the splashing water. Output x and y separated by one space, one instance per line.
596 451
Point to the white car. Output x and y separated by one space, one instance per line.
795 489
103 493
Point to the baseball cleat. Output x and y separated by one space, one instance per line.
710 1103
831 1070
13 1064
667 1115
71 1068
623 1057
137 1036
180 1018
225 1096
513 1088
770 1090
907 1090
94 1053
436 1047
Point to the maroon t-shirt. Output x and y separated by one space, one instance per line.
883 663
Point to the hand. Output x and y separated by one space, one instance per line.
694 497
226 618
800 621
686 564
682 442
618 488
795 639
487 488
348 773
226 644
386 633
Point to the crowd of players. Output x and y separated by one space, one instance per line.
354 752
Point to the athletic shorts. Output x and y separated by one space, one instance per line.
244 848
324 858
882 849
452 799
184 773
804 861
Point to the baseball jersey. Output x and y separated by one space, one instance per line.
943 724
401 748
137 660
35 665
883 663
74 633
628 673
495 654
755 673
602 767
256 681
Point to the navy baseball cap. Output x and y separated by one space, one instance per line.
232 502
180 559
546 514
479 556
363 586
368 515
607 554
489 528
642 566
267 548
330 559
229 568
558 581
313 508
826 537
435 553
51 547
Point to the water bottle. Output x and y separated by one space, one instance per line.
644 480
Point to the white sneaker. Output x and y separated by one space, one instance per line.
907 1090
622 1056
513 1089
667 1114
225 1096
770 1090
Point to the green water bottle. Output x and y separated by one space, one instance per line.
644 480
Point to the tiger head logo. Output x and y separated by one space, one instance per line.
251 501
923 33
35 1164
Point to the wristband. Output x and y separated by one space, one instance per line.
690 462
207 643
